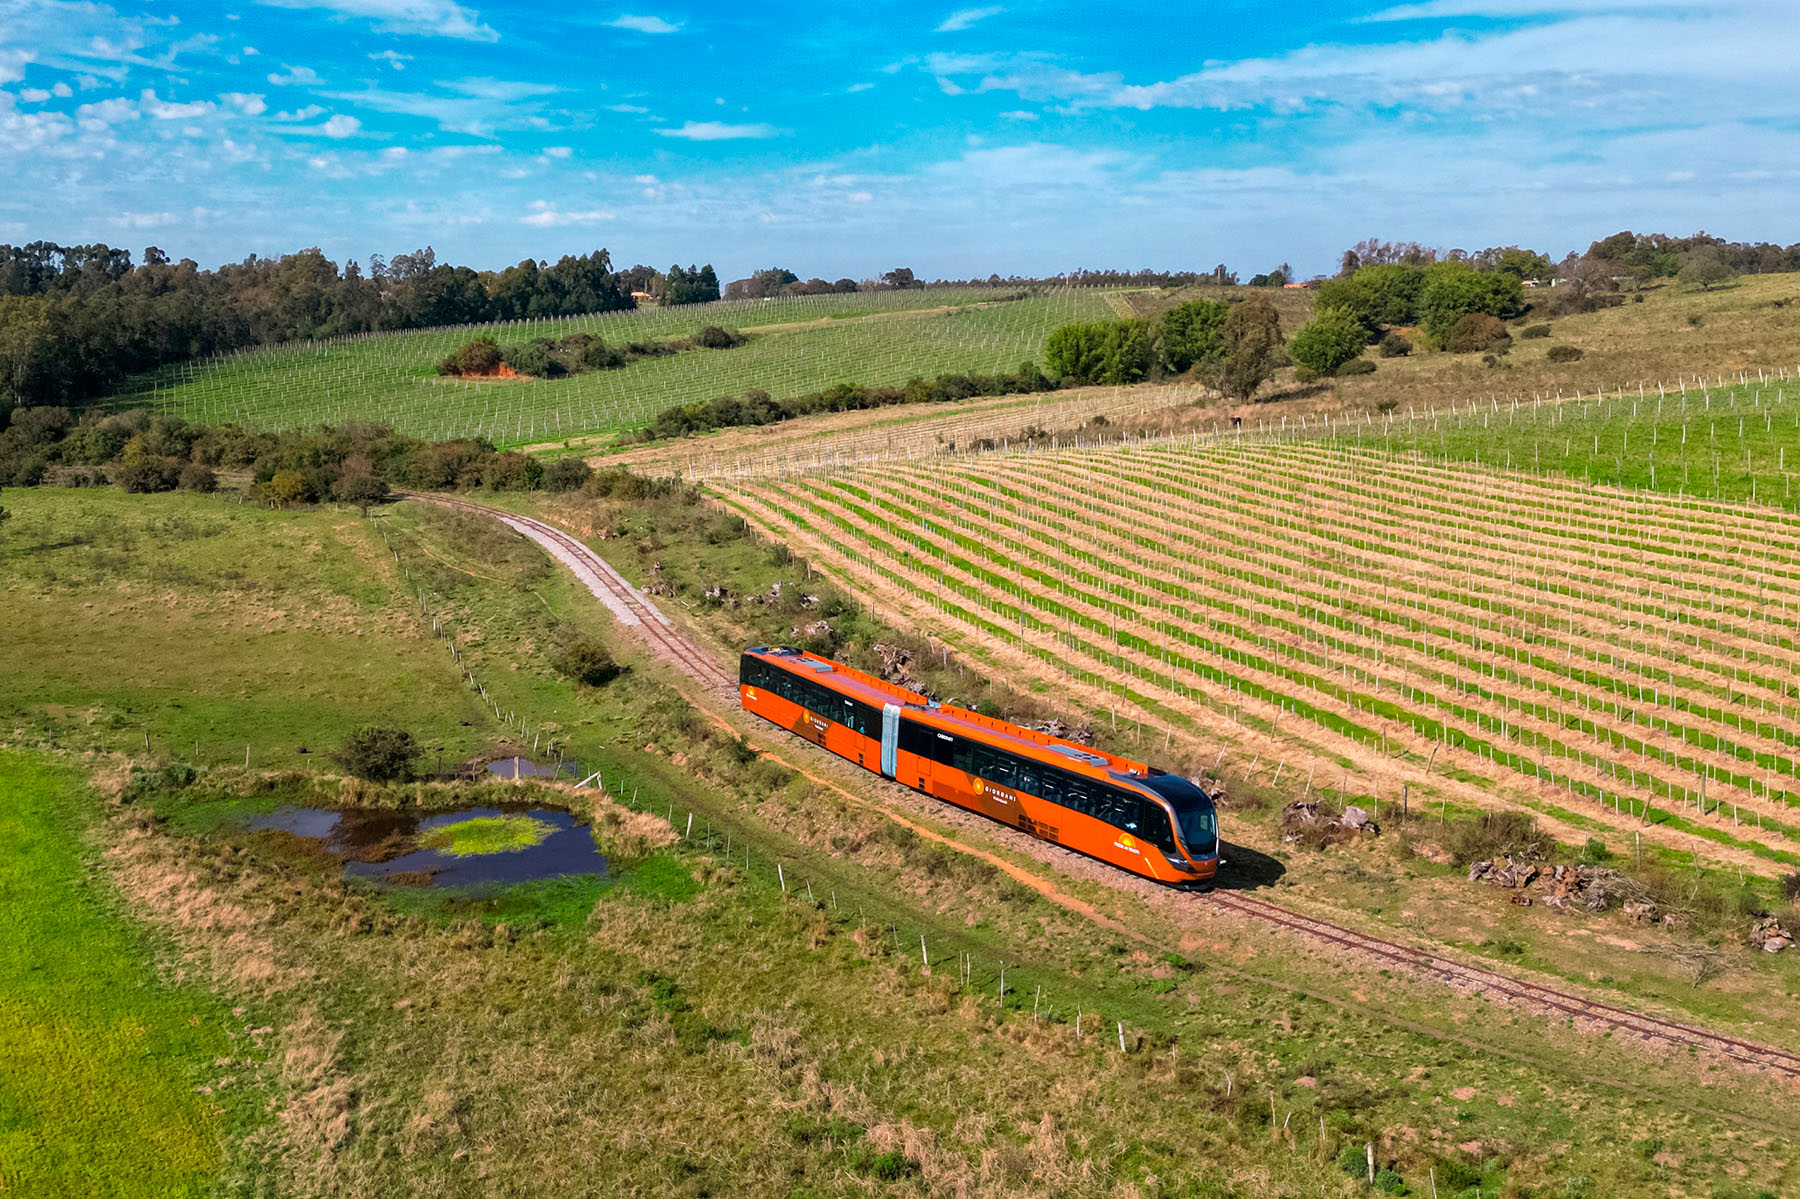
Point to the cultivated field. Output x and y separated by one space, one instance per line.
800 344
907 432
1361 623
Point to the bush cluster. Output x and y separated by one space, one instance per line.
355 463
577 353
1565 354
760 408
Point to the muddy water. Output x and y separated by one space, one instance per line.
384 847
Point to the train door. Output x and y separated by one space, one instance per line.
890 739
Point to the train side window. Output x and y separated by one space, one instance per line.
1051 785
1026 778
917 739
962 755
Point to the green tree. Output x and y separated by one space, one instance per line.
1100 352
1377 296
1190 333
1455 289
1705 268
1252 341
380 755
287 487
1332 338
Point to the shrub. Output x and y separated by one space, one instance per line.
1352 1161
534 358
1492 834
566 474
380 755
714 338
1594 852
1534 331
1325 343
1356 366
479 357
582 658
1473 332
1790 887
1565 354
596 355
142 473
1395 346
1696 319
195 477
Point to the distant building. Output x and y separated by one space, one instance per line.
643 297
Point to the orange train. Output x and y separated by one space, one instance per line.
1123 812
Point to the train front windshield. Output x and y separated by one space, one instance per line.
1193 812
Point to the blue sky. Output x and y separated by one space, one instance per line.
844 139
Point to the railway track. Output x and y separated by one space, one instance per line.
632 607
1477 979
671 643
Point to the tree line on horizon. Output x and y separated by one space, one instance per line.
77 321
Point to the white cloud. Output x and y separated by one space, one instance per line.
719 131
859 87
425 18
631 108
164 110
248 103
33 95
964 17
502 90
473 114
62 90
104 114
295 77
340 127
147 220
1020 114
640 24
250 52
302 114
558 151
392 58
545 215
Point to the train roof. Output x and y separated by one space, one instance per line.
866 687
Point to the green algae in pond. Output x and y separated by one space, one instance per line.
486 834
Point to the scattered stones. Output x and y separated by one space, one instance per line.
1084 734
1305 821
1767 934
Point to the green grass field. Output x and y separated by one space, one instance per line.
209 626
102 1061
801 344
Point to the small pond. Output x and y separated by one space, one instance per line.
479 848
